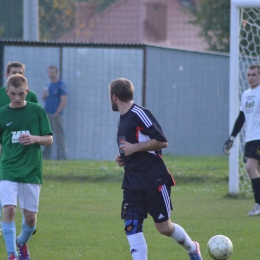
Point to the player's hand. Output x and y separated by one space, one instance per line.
56 114
26 139
227 146
119 160
127 148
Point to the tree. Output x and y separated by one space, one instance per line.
213 17
57 17
102 4
11 26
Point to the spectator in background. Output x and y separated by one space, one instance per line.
55 98
12 68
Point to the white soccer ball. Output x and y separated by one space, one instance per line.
220 247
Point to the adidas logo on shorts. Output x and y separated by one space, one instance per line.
161 216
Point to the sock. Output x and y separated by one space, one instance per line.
138 247
256 189
181 237
25 234
9 234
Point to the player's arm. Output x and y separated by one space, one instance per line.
27 139
45 94
61 105
236 129
151 145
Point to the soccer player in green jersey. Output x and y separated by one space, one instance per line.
24 127
11 69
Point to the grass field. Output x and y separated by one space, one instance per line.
79 215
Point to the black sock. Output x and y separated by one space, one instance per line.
256 189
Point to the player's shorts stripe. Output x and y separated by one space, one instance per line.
142 115
166 199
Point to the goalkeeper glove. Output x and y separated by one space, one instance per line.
228 144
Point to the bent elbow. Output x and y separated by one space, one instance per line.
165 144
50 141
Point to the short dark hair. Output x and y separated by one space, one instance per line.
122 88
255 66
53 68
14 64
16 81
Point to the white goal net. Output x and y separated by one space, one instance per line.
249 49
244 51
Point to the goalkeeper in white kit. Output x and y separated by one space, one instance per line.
250 114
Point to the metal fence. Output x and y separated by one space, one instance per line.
187 91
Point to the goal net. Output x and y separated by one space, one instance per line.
244 51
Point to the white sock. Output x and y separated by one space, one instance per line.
138 247
181 237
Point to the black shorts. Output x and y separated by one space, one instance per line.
252 150
155 202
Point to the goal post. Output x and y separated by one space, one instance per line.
235 88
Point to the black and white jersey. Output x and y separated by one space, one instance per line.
143 170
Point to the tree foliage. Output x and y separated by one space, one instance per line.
57 17
11 26
213 17
102 4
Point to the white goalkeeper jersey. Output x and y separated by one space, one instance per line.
250 106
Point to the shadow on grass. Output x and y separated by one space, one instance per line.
199 179
118 177
239 196
87 178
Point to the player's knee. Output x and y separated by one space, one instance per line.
132 227
9 211
249 169
166 228
30 220
133 223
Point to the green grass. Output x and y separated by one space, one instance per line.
79 215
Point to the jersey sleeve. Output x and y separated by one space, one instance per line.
1 131
32 97
242 102
63 89
151 126
238 124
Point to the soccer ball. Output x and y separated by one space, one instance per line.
220 247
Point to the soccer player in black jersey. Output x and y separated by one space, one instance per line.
147 182
249 113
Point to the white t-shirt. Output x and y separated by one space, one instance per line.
250 105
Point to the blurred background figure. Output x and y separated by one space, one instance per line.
55 98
